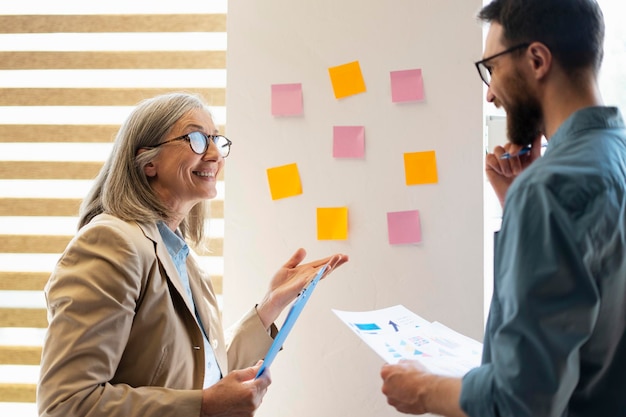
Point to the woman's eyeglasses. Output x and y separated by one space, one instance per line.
199 143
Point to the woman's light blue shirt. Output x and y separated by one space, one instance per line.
179 251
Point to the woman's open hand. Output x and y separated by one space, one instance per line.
289 281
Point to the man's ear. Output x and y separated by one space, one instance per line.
540 59
149 169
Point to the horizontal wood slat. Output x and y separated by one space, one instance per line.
114 23
61 133
39 206
66 207
23 281
18 393
58 243
58 133
33 243
96 96
23 317
20 355
46 170
20 60
29 170
79 60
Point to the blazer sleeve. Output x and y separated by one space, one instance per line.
91 298
247 341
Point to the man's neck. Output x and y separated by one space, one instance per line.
564 98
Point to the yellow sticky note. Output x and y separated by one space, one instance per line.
420 168
284 181
332 223
347 79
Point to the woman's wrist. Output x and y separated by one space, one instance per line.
267 312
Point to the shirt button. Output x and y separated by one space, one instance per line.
215 343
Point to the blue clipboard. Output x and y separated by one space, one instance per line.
292 316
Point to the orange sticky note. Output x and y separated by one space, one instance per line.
347 79
332 223
420 168
284 181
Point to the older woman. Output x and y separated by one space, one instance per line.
135 328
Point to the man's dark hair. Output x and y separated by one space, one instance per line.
573 30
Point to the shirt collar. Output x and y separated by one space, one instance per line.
173 241
597 117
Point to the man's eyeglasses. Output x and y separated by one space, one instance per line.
485 71
199 143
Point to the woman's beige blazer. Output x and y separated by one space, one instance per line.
122 337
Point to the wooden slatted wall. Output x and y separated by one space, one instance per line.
21 133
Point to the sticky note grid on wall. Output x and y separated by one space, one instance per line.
349 142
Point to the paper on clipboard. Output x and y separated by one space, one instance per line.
290 320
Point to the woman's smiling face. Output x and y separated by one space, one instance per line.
181 177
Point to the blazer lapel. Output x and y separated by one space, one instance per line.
208 310
152 233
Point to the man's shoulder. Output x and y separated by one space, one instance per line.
574 174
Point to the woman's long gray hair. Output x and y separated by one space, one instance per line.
121 188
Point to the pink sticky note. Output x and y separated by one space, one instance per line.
407 85
404 227
348 141
286 99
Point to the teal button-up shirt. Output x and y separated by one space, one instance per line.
555 342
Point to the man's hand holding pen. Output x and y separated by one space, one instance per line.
506 162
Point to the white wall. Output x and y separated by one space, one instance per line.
324 369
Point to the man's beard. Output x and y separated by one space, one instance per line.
524 117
